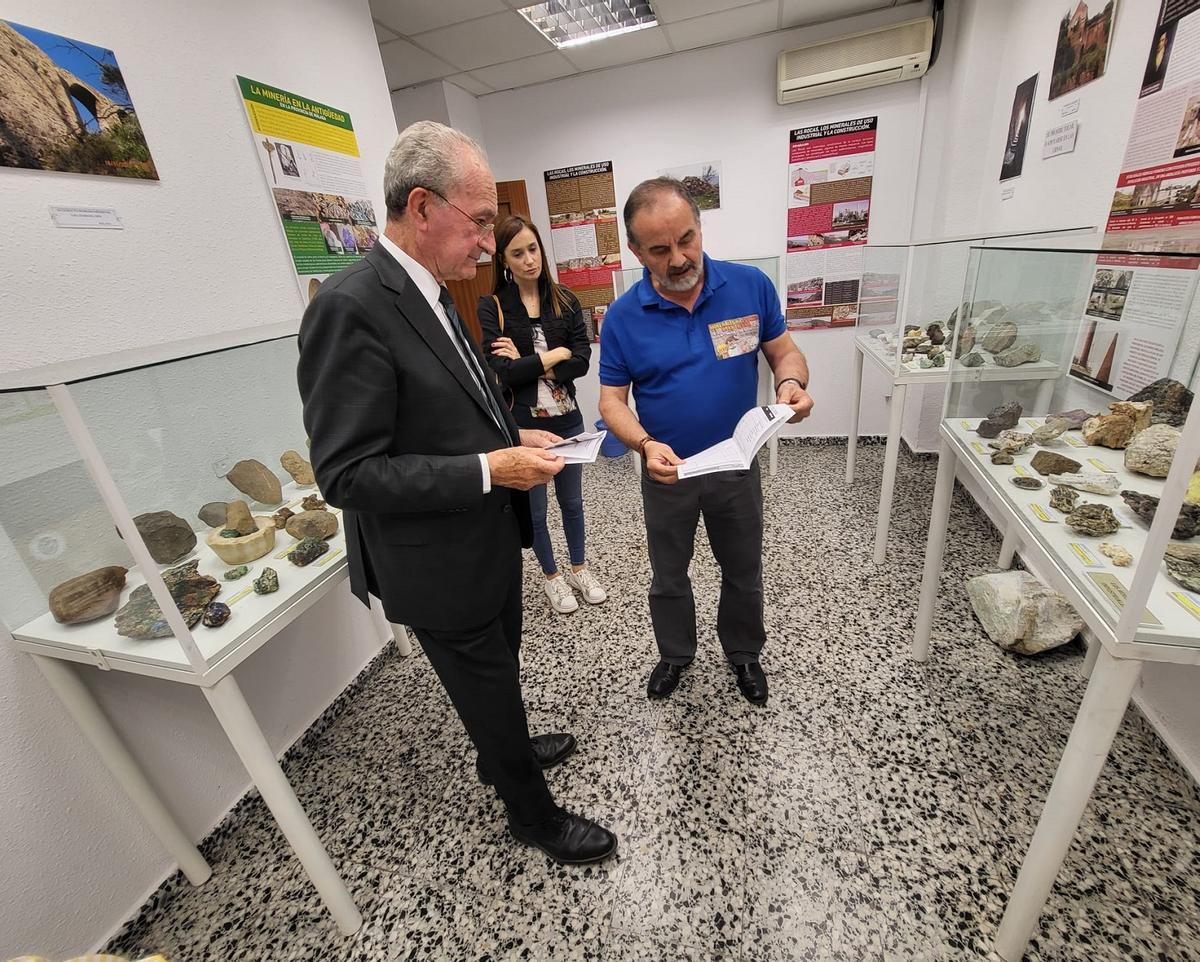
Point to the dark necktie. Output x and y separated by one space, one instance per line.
464 345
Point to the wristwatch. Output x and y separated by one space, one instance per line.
641 446
794 380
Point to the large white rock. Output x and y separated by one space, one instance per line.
1152 450
1021 614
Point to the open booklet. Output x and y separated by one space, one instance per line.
754 429
581 449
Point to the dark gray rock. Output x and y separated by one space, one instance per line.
167 535
1187 525
1051 462
1093 519
1171 400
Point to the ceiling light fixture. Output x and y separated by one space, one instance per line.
568 23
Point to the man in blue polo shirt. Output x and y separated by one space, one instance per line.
687 337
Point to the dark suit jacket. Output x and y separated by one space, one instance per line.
397 424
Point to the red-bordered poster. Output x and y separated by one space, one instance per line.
830 170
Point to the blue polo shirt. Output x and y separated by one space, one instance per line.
693 375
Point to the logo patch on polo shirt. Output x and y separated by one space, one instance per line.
734 337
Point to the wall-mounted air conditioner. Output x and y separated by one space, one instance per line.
868 59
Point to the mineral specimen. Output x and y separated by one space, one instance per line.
312 503
213 513
935 333
216 614
312 524
1171 400
1187 525
230 533
266 582
256 480
1092 483
1000 418
1051 462
1108 430
1053 429
141 617
1011 442
167 536
307 551
1029 484
1076 417
937 360
1141 412
234 573
1093 519
1120 557
1183 564
1193 491
1000 336
974 359
1001 457
1021 614
300 470
87 597
1063 498
238 518
1151 452
1024 353
966 341
281 517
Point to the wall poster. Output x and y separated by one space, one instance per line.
584 239
309 156
830 171
1017 135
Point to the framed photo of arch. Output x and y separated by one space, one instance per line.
66 107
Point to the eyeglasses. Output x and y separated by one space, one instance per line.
484 227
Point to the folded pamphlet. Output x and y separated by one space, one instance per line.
756 427
580 449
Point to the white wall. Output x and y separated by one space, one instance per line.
704 105
202 252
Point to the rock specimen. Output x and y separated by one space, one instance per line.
1021 614
1063 498
312 524
1171 401
1093 519
88 596
1011 441
1108 430
966 341
1052 430
1001 457
1076 417
1028 484
974 359
1151 452
300 470
167 535
307 551
1141 412
1187 525
1092 483
266 582
312 503
936 333
1183 564
281 517
142 618
1120 557
1193 491
257 481
937 360
1000 337
213 514
1024 353
238 518
216 614
1051 462
234 573
1001 418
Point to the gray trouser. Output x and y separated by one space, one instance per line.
731 502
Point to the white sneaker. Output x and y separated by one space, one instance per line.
562 599
586 584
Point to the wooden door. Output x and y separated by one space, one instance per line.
511 199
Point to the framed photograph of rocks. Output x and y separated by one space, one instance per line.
66 107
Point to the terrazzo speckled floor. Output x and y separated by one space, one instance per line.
873 810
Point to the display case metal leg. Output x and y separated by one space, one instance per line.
773 457
1008 548
1104 703
943 493
403 641
244 733
891 453
855 403
1089 658
64 680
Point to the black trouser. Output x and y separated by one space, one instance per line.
479 669
731 502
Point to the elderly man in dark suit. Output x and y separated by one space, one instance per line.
410 439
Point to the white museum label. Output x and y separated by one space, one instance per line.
1006 193
1070 108
1020 471
1060 140
1116 593
1040 513
979 448
1082 553
93 218
1185 603
1075 442
1101 466
248 590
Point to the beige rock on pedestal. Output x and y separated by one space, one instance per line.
255 479
239 519
300 470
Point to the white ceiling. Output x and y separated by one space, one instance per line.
485 45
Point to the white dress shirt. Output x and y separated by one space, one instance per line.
431 290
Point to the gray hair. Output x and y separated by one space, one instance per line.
648 192
426 154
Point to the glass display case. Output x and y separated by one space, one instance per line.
116 499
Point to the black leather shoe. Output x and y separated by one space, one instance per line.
549 750
663 680
752 681
568 839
